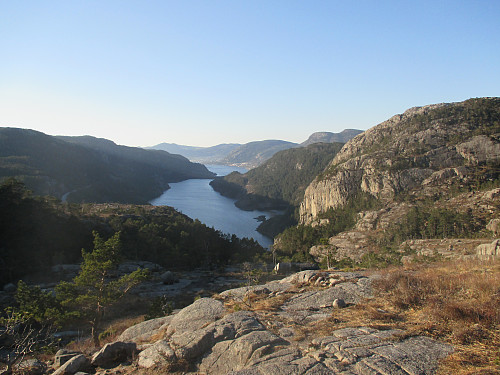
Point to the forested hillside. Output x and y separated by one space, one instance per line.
38 232
287 174
279 183
205 155
430 173
251 155
87 169
329 137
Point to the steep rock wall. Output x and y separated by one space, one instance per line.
406 150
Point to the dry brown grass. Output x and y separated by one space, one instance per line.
112 329
256 302
455 301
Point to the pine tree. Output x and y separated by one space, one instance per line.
92 291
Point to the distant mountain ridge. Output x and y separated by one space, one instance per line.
253 154
250 155
328 137
88 169
278 184
205 155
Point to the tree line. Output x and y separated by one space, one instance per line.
39 232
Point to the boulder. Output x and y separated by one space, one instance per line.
144 330
193 344
489 250
494 226
66 271
168 278
339 303
113 353
492 194
299 277
197 315
62 356
284 362
158 354
74 365
234 355
364 350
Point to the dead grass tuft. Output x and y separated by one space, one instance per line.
84 345
455 301
257 302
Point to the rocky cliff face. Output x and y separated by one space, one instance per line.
427 146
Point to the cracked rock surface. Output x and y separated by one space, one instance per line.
215 340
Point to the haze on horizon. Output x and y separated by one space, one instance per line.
203 73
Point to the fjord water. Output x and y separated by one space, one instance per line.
197 199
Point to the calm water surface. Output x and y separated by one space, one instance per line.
197 199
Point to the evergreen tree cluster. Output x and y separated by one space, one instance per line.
295 242
39 232
426 221
285 176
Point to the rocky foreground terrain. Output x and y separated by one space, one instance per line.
282 327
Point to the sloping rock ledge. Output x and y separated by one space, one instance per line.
212 338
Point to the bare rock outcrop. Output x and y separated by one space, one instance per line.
424 145
494 226
489 250
74 365
215 340
144 330
158 354
113 353
445 248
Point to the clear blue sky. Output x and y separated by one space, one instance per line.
209 72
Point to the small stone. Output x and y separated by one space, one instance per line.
318 355
339 303
286 332
168 278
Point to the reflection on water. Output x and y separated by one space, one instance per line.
197 199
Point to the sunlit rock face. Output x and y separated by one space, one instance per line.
428 145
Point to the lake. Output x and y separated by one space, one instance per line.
197 199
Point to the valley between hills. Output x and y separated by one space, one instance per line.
385 256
